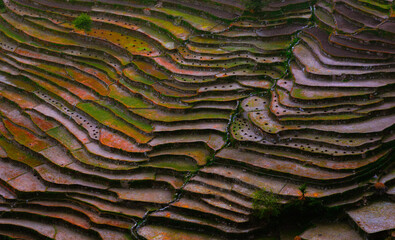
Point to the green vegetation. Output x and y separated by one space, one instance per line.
2 6
83 22
265 204
256 5
148 1
302 189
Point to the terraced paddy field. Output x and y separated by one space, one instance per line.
197 119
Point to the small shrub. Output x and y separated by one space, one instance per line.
302 189
265 204
83 22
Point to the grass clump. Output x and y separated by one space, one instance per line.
83 22
265 204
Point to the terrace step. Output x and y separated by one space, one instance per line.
151 232
165 127
279 167
208 192
285 99
111 207
374 218
172 216
197 22
91 213
307 59
326 231
214 141
105 117
178 32
314 46
302 80
323 38
199 154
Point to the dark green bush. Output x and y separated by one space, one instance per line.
83 22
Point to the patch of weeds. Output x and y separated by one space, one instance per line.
265 204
